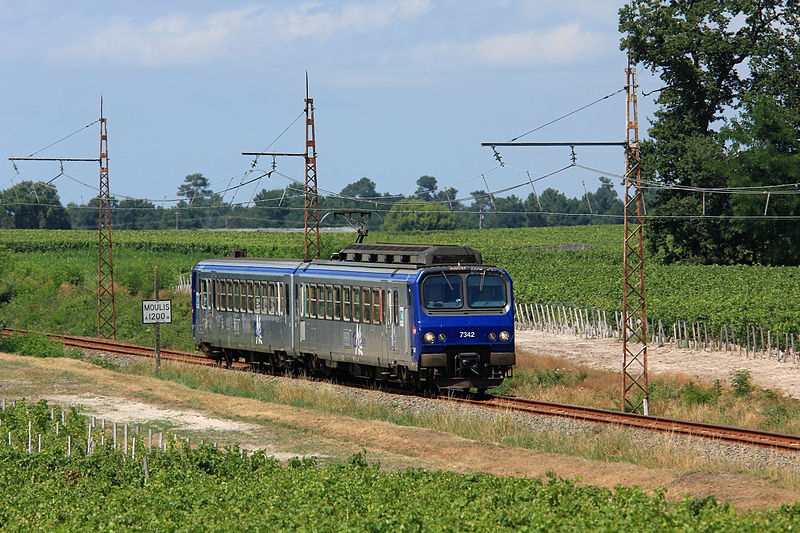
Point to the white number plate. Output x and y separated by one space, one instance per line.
465 334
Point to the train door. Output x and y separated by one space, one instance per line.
396 322
392 322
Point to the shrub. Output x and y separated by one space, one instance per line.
692 394
741 383
32 344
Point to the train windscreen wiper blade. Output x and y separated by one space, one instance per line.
448 281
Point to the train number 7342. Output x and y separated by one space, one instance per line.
465 334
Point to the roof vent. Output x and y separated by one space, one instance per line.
409 254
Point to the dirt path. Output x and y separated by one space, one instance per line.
138 399
606 354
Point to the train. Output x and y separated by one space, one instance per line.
429 317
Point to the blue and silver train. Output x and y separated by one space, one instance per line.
425 316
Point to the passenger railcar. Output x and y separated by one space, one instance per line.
429 316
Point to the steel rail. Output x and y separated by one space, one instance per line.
123 348
730 434
753 437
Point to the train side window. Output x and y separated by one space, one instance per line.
225 301
256 296
329 301
356 304
221 294
271 296
236 293
251 297
337 302
279 297
366 301
346 303
304 296
377 306
396 308
314 301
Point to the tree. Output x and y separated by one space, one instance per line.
195 187
363 188
29 205
137 214
711 56
765 151
273 208
426 188
202 208
605 201
413 215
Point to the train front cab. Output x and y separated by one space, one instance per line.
463 335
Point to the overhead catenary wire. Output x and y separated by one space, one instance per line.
255 159
64 138
569 114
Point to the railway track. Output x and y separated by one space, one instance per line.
123 348
751 437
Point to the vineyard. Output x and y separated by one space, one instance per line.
47 486
578 266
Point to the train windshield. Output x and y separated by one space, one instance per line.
486 290
442 291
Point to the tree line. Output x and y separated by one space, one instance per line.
37 205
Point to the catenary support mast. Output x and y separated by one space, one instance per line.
106 310
311 243
635 390
311 239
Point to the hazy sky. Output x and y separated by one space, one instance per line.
401 88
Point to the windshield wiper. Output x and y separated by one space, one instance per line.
480 287
448 282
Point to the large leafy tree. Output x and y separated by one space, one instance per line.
29 205
712 56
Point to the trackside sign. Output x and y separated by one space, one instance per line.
157 312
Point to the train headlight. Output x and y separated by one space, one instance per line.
428 337
442 337
492 336
504 336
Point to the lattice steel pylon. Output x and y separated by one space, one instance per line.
311 242
635 390
106 310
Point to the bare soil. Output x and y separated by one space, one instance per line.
286 431
706 366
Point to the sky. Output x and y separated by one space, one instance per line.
401 88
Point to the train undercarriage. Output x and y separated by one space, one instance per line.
478 370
